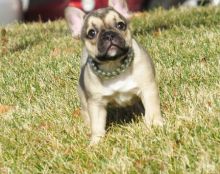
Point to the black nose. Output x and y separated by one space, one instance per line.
108 35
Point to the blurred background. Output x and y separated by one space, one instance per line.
44 10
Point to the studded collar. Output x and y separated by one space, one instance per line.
126 62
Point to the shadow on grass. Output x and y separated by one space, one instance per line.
29 38
25 44
124 115
20 45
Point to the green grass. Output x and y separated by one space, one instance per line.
39 69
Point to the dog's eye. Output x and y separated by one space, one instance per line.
121 26
91 34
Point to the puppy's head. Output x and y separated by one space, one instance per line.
105 32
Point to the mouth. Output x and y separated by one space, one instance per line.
113 46
113 52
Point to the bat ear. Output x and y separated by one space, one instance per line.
120 6
74 18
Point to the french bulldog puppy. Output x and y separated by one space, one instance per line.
115 70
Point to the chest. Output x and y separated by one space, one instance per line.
121 92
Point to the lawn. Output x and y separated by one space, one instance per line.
41 130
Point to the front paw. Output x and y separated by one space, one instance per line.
95 140
159 121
